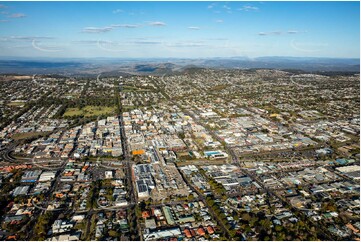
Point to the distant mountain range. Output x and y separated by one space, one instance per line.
160 66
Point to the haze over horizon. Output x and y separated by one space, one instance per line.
179 29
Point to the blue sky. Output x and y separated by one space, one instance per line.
179 29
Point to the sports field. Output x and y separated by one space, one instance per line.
89 111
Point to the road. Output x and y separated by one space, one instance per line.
133 201
5 153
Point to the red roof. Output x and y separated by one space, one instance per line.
201 231
145 214
187 233
10 204
210 229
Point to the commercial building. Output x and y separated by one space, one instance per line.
31 176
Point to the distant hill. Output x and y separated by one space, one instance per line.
305 64
159 66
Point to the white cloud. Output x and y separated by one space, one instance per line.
97 30
219 21
3 6
270 33
116 11
295 31
157 23
17 15
212 5
146 42
26 38
129 26
4 21
194 28
276 32
248 8
186 44
226 7
280 32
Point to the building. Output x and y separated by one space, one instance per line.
215 154
60 226
168 215
144 179
109 175
31 176
163 233
47 176
150 223
66 237
21 190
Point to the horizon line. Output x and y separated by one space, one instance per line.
189 58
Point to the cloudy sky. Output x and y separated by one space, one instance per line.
179 29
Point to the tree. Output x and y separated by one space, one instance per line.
113 233
181 135
278 228
246 217
142 205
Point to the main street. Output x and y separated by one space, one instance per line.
128 164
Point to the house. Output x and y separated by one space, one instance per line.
150 224
187 233
61 226
145 214
200 231
78 218
162 233
66 237
210 229
108 174
99 229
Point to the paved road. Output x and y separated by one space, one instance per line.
5 153
133 200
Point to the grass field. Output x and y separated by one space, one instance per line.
29 135
129 88
89 111
16 104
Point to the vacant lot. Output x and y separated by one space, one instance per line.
89 111
29 135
